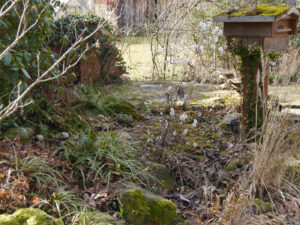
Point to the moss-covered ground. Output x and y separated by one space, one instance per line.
76 178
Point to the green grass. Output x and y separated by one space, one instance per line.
36 168
138 57
104 156
113 103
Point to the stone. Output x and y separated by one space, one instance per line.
231 121
179 104
217 107
24 133
40 138
29 216
125 119
213 101
141 207
101 118
162 175
62 136
96 218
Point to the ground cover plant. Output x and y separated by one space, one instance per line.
167 151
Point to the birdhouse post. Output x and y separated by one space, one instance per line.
251 32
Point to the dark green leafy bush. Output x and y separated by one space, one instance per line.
70 27
20 64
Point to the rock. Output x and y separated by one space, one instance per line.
179 104
24 133
141 207
40 138
231 121
217 107
162 174
198 108
62 136
125 119
213 101
225 85
101 118
96 218
29 216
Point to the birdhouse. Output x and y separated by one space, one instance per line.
268 26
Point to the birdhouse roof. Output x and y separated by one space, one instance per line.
259 13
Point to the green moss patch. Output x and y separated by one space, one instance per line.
141 207
162 175
29 216
233 165
260 10
263 206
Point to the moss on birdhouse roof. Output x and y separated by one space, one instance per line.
259 10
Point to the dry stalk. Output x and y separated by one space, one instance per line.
276 149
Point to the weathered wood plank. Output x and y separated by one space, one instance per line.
244 19
276 43
248 29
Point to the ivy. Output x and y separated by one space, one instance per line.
67 30
250 59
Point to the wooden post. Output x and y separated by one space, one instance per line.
252 34
252 111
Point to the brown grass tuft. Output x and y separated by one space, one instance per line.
276 149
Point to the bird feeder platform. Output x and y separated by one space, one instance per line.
265 26
268 26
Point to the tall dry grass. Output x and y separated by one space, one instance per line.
276 149
269 178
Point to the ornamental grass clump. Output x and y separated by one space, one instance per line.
278 144
107 157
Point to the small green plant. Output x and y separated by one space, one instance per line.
98 101
34 167
61 202
104 156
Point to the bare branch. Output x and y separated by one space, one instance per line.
4 11
15 104
23 33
